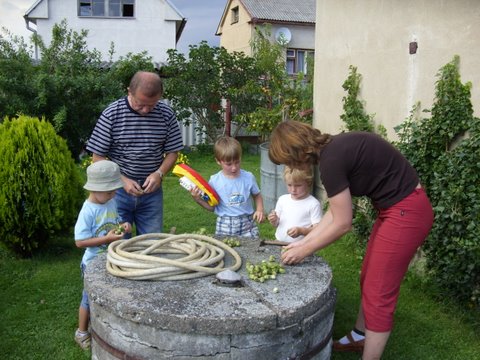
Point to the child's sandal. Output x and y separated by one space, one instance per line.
83 340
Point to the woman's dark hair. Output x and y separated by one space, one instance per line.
294 143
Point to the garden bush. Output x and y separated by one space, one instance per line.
356 119
454 246
40 185
445 151
16 73
71 87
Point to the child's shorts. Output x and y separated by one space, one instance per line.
243 226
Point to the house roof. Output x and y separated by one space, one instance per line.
39 9
275 11
302 11
32 7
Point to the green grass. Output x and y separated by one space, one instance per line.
39 297
426 325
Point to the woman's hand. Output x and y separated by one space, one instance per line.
294 253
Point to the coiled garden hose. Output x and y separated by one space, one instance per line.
188 256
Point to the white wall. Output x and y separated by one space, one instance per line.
374 36
148 30
303 36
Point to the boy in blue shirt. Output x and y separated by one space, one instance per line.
98 224
236 188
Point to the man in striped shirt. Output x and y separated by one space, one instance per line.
142 135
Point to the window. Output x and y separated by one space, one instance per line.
297 60
235 15
106 8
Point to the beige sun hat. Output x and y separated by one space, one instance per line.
103 175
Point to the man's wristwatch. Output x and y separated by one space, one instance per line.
159 172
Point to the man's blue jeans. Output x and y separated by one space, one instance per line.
145 211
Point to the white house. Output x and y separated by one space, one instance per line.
133 26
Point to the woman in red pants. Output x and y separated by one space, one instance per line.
361 164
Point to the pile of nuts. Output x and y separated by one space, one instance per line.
232 242
265 270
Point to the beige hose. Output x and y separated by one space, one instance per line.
189 256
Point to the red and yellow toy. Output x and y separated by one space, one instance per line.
190 178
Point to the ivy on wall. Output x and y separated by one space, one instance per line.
355 118
445 150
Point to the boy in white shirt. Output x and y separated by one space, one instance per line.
297 212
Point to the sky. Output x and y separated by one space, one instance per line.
202 17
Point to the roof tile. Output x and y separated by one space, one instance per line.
281 10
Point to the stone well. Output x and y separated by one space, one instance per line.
199 319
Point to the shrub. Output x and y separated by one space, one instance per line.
40 185
276 95
444 149
453 250
356 119
70 86
124 69
354 116
16 73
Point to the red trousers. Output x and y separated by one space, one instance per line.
397 233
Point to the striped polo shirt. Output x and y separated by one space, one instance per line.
137 143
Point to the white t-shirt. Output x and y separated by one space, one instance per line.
292 213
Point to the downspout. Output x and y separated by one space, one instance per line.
27 24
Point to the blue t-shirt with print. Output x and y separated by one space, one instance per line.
235 194
95 220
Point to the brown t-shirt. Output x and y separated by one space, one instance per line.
368 165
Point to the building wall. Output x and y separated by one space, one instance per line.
237 36
303 36
148 30
374 36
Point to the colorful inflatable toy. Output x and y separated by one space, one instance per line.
190 178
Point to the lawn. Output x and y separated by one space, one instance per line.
40 296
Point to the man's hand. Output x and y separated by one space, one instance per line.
152 182
131 187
